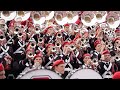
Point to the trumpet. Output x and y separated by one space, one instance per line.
32 45
20 34
40 40
58 45
72 47
59 35
113 20
53 49
37 29
2 37
8 15
30 55
17 29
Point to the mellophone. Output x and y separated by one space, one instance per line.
47 74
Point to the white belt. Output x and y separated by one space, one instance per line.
19 49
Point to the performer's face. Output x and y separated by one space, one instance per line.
60 68
117 42
86 59
117 34
50 31
107 57
49 49
66 28
38 60
98 47
66 48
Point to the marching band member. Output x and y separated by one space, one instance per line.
49 34
7 63
117 52
38 61
28 61
59 68
67 33
2 72
50 55
117 33
97 52
105 67
116 75
4 48
20 45
88 64
40 45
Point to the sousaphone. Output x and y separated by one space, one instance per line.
60 17
88 18
113 20
8 15
38 17
48 14
100 16
72 16
22 15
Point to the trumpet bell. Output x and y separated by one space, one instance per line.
8 15
113 20
38 18
23 15
72 16
88 18
60 18
100 16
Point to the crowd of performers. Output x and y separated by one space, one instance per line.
60 48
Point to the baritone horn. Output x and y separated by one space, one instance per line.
60 17
100 16
113 20
22 15
88 18
8 15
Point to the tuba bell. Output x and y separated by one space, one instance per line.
113 20
38 18
48 14
60 17
88 18
22 15
8 15
72 16
100 16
